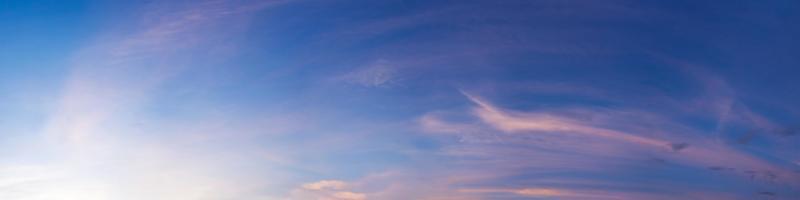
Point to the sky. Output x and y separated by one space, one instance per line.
399 99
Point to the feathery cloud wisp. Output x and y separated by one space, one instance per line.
548 123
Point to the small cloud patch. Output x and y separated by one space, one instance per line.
381 73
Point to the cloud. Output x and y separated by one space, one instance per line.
326 190
90 151
118 75
349 196
559 193
540 192
537 144
501 152
325 185
528 192
381 73
433 122
588 193
515 122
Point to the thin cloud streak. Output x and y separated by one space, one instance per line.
548 123
328 190
562 144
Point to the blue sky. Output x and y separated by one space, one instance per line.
399 99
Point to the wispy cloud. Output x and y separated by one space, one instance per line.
89 149
549 123
328 190
555 140
110 77
558 102
381 73
325 184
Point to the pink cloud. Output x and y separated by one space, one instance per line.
522 122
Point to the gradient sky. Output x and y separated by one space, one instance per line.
399 99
